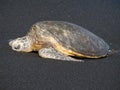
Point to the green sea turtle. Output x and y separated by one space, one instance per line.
61 41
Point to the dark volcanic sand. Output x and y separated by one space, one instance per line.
26 71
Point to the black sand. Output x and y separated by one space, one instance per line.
26 71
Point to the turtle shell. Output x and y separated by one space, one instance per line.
75 38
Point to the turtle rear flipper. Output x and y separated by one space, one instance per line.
53 54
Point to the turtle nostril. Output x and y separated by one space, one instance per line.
17 47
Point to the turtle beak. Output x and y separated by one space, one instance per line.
10 42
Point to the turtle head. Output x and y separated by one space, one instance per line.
22 44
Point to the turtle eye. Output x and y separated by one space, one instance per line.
17 47
24 38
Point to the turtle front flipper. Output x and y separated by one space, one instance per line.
53 54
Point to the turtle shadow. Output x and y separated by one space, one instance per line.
88 59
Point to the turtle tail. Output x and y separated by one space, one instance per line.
113 51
